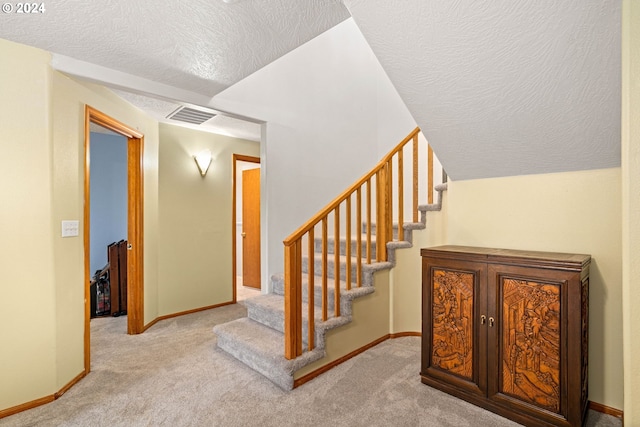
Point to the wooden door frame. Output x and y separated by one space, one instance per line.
135 277
237 158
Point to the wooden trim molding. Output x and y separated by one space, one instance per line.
48 399
135 236
25 406
86 237
331 365
311 375
135 215
43 400
405 334
599 407
71 383
182 313
103 120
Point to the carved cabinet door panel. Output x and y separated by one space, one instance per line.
527 358
454 347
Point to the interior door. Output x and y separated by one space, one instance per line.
251 228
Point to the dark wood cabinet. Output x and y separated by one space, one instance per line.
508 331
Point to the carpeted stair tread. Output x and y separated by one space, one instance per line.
407 226
278 286
256 336
276 303
343 244
430 207
354 243
343 260
258 341
367 269
261 348
269 310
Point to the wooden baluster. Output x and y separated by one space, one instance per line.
336 266
430 174
381 212
292 302
347 251
415 178
359 237
369 221
384 233
299 294
311 289
389 206
324 269
400 195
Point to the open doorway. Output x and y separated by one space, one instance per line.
246 227
133 253
108 222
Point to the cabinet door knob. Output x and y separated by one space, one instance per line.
483 319
491 322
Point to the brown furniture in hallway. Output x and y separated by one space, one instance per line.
117 255
508 331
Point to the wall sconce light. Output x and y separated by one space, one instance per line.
203 160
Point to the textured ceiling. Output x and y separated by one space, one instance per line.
499 87
202 46
504 87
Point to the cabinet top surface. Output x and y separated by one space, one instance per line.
506 255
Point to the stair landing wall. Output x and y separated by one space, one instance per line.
406 277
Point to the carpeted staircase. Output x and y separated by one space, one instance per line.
258 339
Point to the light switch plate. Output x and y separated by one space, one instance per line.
70 228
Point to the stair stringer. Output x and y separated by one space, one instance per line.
336 338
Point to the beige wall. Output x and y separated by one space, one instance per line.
576 212
68 102
631 207
195 218
41 162
41 165
27 285
406 278
370 322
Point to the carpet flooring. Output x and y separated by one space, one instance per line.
174 375
244 292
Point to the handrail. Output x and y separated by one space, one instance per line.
383 202
333 204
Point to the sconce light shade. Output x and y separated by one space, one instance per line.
203 160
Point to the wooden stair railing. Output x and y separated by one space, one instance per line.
380 180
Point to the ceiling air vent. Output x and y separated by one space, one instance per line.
190 115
